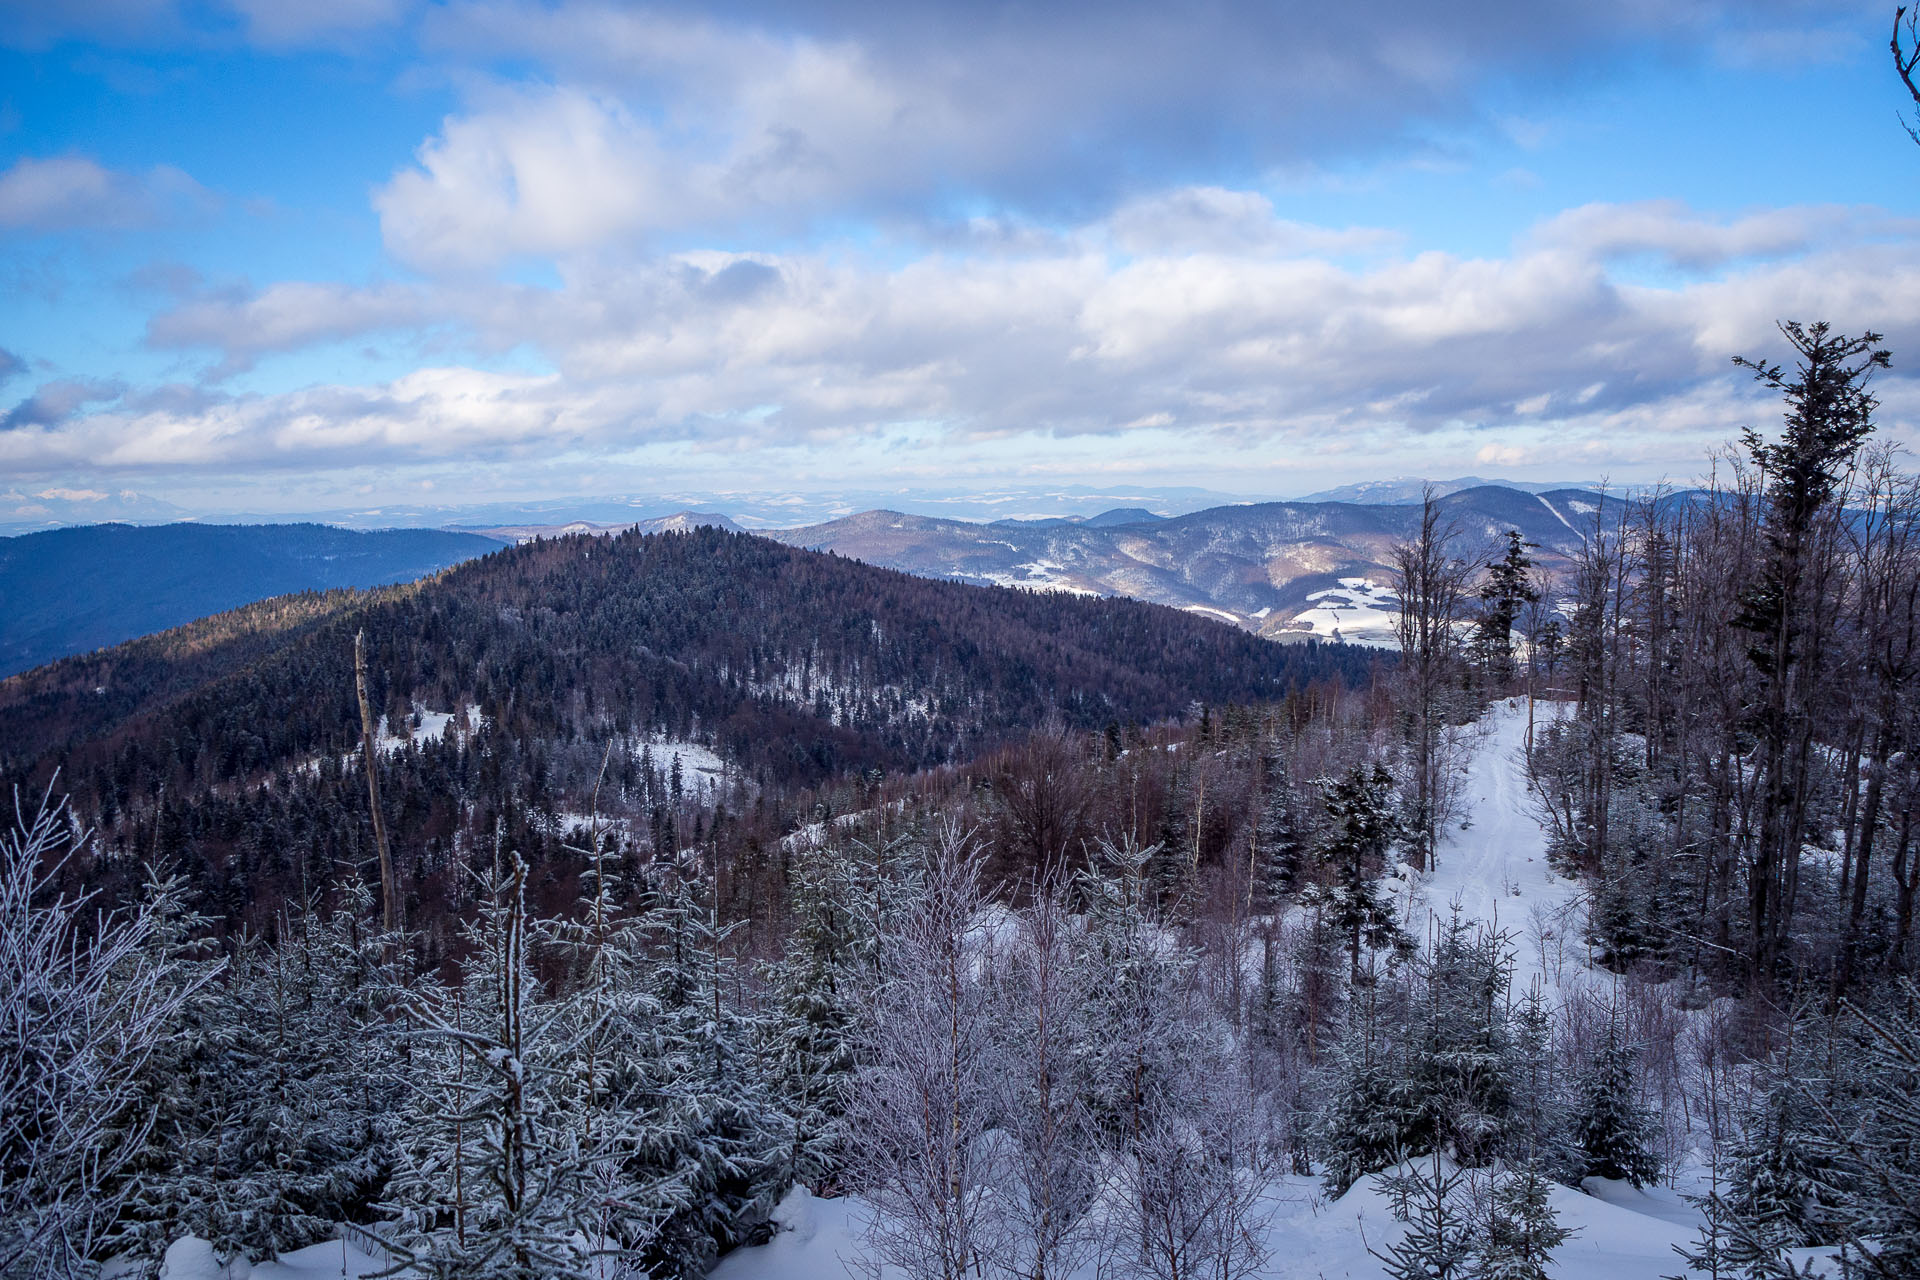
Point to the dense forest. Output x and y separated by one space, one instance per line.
1057 931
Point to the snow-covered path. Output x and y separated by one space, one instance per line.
1495 866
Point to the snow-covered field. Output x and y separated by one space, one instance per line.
1358 611
1621 1234
1493 863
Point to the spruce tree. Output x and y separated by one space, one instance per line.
1507 590
1281 833
1442 1239
1360 807
1613 1132
492 1179
722 1140
807 1045
1523 1228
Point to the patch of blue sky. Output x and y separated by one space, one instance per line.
1720 139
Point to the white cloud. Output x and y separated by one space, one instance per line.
1671 230
66 193
1237 354
650 123
284 317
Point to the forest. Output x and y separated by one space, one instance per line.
1057 932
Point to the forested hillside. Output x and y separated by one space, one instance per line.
1258 565
209 744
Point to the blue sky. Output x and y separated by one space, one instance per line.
269 255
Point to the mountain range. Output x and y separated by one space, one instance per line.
509 683
1287 570
66 591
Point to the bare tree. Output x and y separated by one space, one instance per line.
1050 1173
1193 1172
84 1002
1431 577
1906 55
922 1104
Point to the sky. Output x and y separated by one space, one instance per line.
284 256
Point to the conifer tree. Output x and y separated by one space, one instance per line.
721 1139
1360 808
1442 1239
1280 835
808 1043
492 1174
296 1117
1613 1132
1508 590
1522 1231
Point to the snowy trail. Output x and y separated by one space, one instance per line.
1496 868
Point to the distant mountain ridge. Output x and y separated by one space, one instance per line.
1267 567
679 522
1403 490
67 591
1262 566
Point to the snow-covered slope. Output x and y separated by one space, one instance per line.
1358 611
1493 861
1621 1234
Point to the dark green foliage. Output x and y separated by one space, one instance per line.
1507 589
1282 833
1432 1064
1522 1230
231 745
1441 1241
1613 1132
1360 811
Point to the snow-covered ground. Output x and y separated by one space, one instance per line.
1358 611
1621 1234
1492 864
194 1259
1492 861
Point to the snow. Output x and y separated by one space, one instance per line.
1358 611
433 724
694 758
192 1258
1495 868
816 1239
1039 575
1213 612
1491 865
1621 1234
